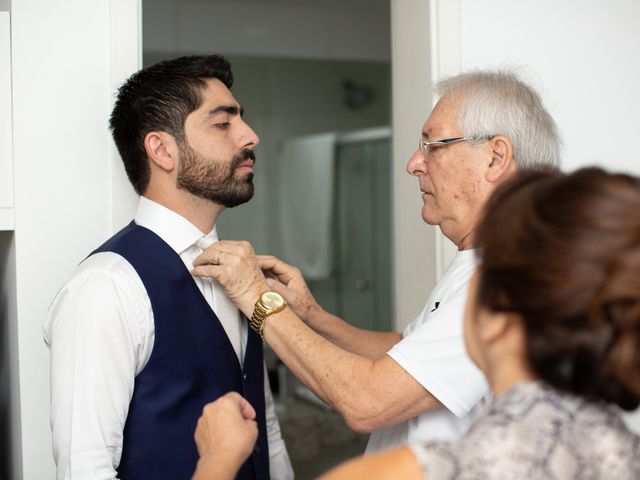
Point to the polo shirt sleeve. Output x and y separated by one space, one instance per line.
433 352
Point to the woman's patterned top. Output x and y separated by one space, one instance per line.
535 432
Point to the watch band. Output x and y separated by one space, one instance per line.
256 322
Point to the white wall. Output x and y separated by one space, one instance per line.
414 259
125 37
64 60
583 55
6 163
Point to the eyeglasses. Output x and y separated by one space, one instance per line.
425 146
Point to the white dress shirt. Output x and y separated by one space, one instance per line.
100 331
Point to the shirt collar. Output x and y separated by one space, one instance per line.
178 232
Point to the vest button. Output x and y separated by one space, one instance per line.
256 449
244 377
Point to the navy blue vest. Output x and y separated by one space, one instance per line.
192 363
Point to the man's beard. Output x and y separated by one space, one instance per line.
213 179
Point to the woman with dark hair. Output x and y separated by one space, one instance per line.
553 321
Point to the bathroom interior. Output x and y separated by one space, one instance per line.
315 86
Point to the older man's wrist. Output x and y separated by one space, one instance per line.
249 300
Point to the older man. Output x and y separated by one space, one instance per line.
419 385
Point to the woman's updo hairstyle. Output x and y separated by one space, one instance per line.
563 251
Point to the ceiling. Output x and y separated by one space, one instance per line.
356 30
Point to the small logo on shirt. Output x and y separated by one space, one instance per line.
436 307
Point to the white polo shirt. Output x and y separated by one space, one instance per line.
432 351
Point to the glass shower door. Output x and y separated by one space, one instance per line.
363 233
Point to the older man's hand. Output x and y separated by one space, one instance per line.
234 265
288 281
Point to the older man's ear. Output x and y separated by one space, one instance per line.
502 162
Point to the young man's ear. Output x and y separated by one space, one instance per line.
161 149
502 161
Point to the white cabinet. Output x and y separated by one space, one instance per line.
62 188
6 149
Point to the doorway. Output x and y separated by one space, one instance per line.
301 69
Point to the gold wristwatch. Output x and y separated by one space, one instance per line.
269 303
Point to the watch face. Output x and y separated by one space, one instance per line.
272 300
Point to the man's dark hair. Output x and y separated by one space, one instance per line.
159 98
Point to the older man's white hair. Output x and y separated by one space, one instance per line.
500 103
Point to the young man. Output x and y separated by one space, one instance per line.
138 345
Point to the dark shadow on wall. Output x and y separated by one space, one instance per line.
8 361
